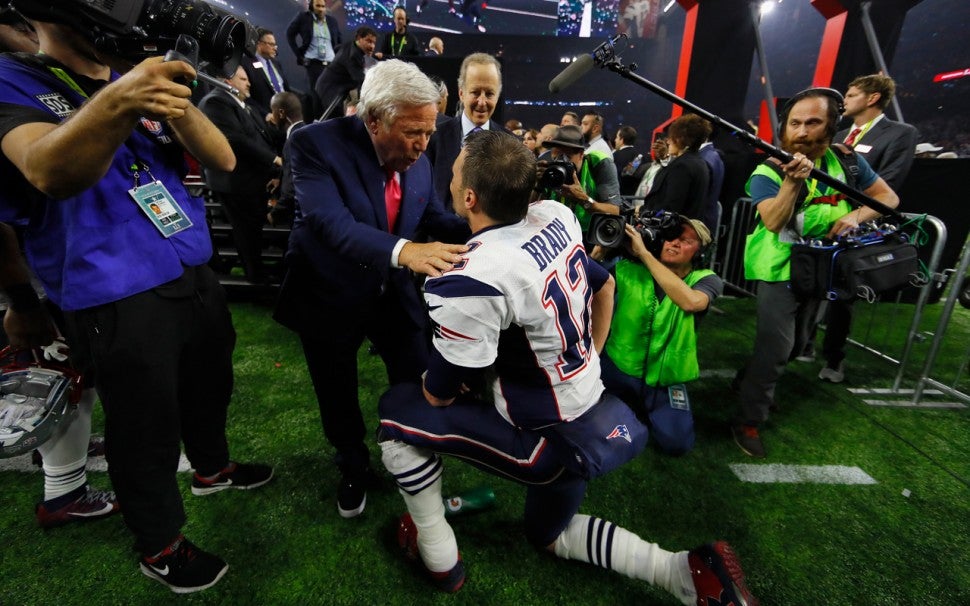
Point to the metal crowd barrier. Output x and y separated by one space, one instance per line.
872 326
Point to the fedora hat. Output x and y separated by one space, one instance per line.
569 136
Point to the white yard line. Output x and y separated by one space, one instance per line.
23 464
801 474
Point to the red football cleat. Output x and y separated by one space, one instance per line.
718 577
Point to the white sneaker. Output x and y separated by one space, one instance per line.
832 375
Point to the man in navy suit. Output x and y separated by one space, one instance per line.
888 147
364 188
265 73
479 87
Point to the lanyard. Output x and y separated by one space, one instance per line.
66 78
862 131
400 47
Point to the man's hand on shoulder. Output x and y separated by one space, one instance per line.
430 259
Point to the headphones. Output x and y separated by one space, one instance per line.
833 95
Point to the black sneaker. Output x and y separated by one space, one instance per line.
241 476
352 494
184 568
748 440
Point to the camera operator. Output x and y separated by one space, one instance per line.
589 185
652 348
142 308
792 206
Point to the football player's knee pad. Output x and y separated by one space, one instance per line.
413 468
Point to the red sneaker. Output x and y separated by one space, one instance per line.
79 505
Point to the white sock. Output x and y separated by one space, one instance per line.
605 544
65 454
418 475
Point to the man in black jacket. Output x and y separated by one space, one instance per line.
243 192
346 73
400 42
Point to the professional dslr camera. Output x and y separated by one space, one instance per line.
556 174
138 29
655 227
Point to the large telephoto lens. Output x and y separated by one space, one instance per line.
221 36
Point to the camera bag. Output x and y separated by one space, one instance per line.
844 271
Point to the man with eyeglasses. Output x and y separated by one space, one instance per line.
265 73
651 353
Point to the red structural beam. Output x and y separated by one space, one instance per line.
686 47
835 18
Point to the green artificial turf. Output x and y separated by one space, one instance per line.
801 544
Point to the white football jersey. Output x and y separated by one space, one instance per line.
520 300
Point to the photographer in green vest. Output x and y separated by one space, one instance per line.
651 353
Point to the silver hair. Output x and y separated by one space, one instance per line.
479 59
392 85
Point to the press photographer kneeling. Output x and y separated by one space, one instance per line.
651 352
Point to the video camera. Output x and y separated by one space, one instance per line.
655 227
138 29
556 174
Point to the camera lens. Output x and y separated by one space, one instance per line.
607 230
221 36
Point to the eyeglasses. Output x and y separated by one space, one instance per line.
268 43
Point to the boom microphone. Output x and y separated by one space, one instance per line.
576 70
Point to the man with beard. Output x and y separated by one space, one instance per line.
792 206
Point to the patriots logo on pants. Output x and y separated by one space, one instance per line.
620 431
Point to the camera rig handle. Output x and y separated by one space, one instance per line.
187 50
604 56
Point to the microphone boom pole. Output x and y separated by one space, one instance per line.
605 57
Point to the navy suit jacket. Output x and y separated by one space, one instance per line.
260 88
888 147
716 164
341 229
444 147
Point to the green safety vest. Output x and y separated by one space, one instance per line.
652 339
765 256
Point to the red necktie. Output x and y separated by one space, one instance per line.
850 140
392 199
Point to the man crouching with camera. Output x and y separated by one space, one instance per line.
586 182
651 352
86 153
